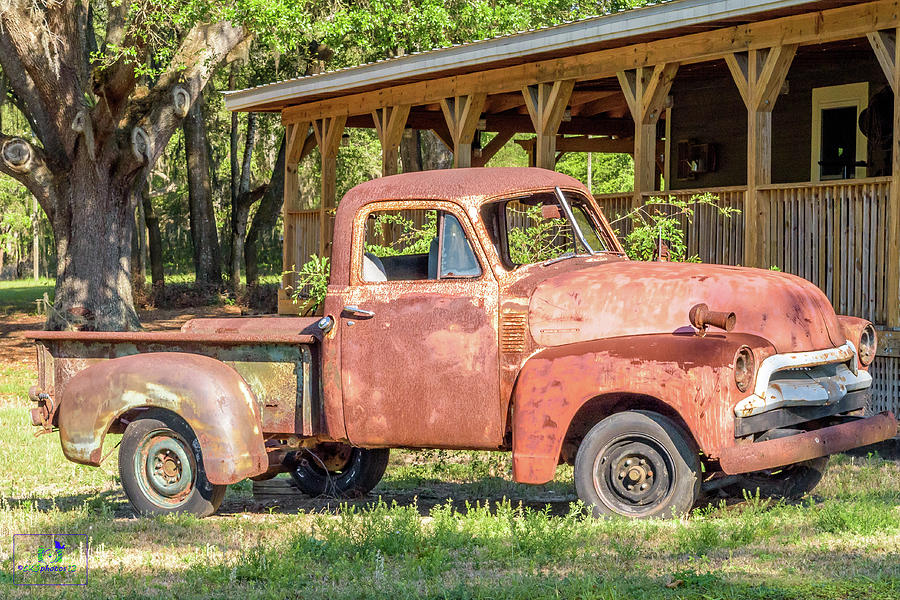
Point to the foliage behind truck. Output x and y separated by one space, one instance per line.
656 380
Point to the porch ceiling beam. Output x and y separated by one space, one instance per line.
611 101
389 124
546 103
462 114
646 90
623 127
760 74
845 22
492 147
586 144
884 44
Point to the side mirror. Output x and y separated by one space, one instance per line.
550 211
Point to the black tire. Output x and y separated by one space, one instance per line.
790 482
171 445
355 471
637 464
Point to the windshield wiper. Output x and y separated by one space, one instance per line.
571 217
560 258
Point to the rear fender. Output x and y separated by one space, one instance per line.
211 396
685 375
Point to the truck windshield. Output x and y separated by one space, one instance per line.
539 228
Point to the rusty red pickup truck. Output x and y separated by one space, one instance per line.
489 309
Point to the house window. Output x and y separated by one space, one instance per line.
838 145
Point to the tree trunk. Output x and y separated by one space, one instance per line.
411 151
207 256
435 154
93 226
154 243
265 217
241 203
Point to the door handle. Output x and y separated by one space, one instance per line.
357 311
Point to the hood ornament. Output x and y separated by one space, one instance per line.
701 317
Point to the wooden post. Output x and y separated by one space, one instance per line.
646 90
759 76
462 114
295 138
887 51
328 135
389 124
546 104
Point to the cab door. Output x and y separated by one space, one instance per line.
418 332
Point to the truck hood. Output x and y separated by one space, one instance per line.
636 298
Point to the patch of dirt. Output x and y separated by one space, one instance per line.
159 319
15 350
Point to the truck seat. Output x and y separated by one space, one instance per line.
373 268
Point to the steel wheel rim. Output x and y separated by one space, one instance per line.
165 467
634 474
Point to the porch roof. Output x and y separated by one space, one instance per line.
659 21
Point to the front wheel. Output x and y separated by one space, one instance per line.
637 464
338 469
161 467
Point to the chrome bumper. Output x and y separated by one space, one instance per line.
746 458
817 378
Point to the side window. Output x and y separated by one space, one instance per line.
406 246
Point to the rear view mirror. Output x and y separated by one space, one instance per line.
550 211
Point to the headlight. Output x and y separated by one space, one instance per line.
744 368
868 345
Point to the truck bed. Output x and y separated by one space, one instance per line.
277 356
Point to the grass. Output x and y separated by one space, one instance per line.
19 295
448 524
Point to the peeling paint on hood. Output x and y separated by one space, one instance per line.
637 298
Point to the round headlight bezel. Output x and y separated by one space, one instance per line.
744 368
867 346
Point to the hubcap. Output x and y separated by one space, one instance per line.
633 474
165 468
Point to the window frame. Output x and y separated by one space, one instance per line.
441 206
498 207
854 95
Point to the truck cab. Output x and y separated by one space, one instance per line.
488 309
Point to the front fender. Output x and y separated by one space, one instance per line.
689 374
214 400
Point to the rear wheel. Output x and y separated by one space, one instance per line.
637 464
338 469
161 467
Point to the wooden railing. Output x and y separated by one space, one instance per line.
616 207
713 236
306 228
710 235
833 234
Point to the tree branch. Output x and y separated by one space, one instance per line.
27 164
202 50
248 153
115 82
15 48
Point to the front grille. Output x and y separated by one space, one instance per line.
512 331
